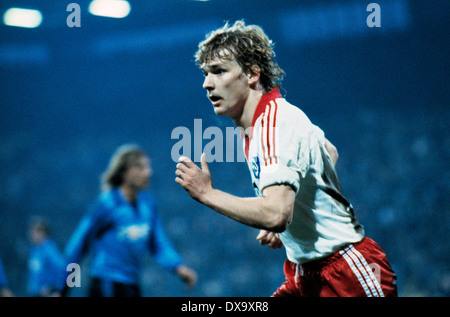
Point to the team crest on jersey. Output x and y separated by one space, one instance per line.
256 168
134 231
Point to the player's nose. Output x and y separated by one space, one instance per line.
208 83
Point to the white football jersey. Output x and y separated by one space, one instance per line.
284 147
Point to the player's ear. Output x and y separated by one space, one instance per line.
254 75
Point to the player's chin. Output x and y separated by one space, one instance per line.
217 111
220 111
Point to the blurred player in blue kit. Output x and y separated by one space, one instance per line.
5 291
120 227
45 262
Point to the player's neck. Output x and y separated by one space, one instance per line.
246 118
129 193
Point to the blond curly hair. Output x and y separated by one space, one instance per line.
249 45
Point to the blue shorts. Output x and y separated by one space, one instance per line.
106 288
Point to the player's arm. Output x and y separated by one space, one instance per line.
93 223
165 254
332 151
272 212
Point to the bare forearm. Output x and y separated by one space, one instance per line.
272 212
252 211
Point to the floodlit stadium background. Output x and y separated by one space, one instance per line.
70 96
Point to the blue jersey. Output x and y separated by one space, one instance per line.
3 279
118 234
45 267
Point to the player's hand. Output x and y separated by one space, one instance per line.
197 182
188 275
271 239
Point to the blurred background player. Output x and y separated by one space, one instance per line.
120 226
292 170
45 262
4 287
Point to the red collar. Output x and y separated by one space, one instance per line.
263 102
265 99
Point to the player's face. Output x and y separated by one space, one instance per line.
227 86
36 235
138 173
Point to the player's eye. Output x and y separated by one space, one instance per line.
219 71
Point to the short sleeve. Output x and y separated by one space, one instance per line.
290 160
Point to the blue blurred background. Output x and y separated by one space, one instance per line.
70 96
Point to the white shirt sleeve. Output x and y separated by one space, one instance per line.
289 140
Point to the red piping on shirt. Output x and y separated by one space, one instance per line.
260 108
